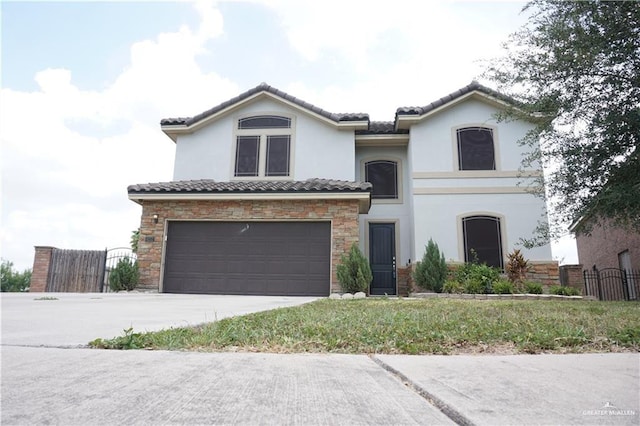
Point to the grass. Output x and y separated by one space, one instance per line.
405 326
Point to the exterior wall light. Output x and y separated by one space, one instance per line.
155 218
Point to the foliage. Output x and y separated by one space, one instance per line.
11 280
135 238
575 68
453 286
517 267
563 290
124 276
503 287
418 326
532 288
477 278
354 272
431 271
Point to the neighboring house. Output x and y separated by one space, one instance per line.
606 245
269 191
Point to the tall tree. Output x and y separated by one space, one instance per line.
575 67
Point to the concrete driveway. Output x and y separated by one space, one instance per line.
49 378
74 319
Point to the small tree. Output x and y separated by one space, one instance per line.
12 280
124 276
354 272
431 272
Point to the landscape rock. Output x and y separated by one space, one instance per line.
359 295
347 296
335 296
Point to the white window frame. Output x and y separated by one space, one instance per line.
262 148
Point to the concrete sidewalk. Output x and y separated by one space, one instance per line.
43 383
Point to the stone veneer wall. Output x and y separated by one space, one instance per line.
40 271
343 215
545 273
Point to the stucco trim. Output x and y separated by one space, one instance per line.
382 140
474 174
399 176
472 190
496 144
503 232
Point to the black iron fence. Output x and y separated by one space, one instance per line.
612 284
114 256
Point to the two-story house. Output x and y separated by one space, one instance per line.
269 191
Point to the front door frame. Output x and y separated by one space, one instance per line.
396 233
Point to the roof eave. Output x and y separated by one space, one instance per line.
363 197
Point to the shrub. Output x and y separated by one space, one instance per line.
354 272
477 278
516 268
503 287
125 275
431 271
533 288
11 280
452 286
562 290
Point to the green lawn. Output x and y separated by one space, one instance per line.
406 326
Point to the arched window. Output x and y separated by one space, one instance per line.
482 240
263 146
383 175
475 149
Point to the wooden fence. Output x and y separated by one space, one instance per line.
80 271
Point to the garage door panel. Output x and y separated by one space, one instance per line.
271 258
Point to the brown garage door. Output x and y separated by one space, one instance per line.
258 258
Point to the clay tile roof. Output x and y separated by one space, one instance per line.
264 87
381 128
474 86
209 186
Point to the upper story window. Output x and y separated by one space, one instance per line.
383 175
263 146
475 149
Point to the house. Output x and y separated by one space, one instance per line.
604 244
269 191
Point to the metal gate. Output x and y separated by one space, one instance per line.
612 284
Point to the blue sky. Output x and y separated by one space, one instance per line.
85 84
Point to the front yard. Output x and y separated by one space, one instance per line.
408 326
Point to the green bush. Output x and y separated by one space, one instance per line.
124 276
532 288
431 271
503 287
476 278
11 280
354 272
564 290
452 286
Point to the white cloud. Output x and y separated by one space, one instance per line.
65 186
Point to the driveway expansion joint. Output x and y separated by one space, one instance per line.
432 399
45 346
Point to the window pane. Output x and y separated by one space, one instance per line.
247 155
278 155
475 149
482 237
264 122
383 176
